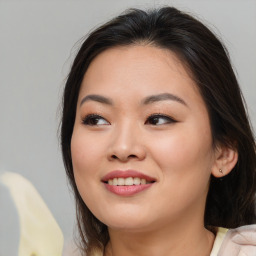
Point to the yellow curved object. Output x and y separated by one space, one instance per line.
40 234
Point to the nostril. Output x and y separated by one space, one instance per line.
130 156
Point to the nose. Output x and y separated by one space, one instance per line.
126 144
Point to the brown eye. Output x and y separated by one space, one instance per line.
159 120
93 120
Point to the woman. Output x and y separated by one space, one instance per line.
156 141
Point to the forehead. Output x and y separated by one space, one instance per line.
137 68
136 57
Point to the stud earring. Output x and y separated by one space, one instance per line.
220 171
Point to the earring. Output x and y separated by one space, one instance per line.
220 171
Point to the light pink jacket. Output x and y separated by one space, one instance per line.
237 242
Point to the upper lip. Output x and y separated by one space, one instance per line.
127 174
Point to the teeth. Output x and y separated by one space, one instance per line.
115 181
120 181
136 181
127 181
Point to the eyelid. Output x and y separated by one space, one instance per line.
160 115
89 117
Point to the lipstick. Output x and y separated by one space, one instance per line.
127 183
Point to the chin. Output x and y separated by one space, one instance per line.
125 215
128 227
127 222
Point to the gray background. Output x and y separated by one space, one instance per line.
37 46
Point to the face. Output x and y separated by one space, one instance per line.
141 146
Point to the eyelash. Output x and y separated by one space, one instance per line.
169 119
92 119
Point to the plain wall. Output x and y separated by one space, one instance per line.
37 41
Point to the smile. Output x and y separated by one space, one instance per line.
130 181
127 183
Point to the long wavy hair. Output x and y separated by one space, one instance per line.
231 200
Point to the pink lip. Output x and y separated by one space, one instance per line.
126 174
127 190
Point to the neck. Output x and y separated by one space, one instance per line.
190 240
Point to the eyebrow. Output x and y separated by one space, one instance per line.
163 96
146 101
97 98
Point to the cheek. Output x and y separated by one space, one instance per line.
84 154
85 151
185 161
185 152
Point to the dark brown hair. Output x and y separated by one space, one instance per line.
231 200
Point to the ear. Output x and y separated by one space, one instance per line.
225 160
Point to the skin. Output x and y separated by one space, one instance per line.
167 218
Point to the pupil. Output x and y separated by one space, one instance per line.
95 120
155 120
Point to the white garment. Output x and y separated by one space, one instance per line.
221 232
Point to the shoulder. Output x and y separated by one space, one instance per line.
236 242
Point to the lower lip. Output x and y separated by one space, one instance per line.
127 190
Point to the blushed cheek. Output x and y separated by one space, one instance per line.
173 156
80 157
82 166
184 152
84 151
